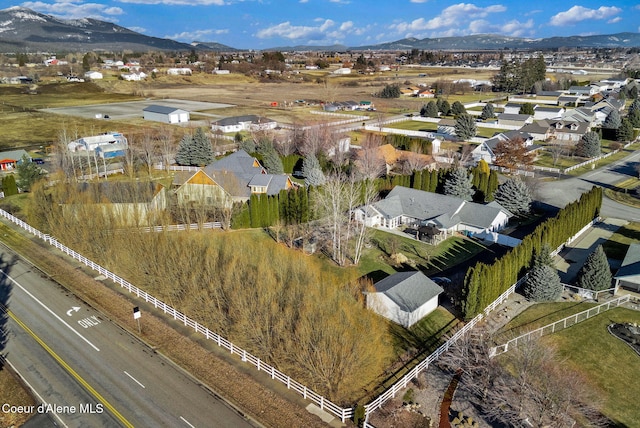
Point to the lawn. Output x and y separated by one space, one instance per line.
609 365
414 125
625 192
537 316
617 245
376 261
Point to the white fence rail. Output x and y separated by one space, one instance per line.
181 227
586 293
560 325
322 402
303 390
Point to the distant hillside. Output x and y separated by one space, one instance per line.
23 30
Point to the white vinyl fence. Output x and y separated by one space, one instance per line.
560 325
303 390
342 413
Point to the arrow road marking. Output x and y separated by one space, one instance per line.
48 310
73 309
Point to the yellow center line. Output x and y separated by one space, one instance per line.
71 371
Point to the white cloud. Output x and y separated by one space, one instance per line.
450 18
179 2
141 30
199 35
304 1
419 1
76 10
614 20
580 13
293 32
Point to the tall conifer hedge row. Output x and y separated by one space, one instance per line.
486 282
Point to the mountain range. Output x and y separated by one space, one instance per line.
24 30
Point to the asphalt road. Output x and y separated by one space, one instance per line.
558 193
99 375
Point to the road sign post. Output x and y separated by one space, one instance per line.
136 316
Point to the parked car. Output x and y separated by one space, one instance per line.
441 280
38 161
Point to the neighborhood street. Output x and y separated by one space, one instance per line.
559 193
95 372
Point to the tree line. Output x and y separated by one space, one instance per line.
484 282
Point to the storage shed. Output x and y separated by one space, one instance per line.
165 114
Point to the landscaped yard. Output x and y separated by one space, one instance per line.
539 315
429 258
609 364
617 245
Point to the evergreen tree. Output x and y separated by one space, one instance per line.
595 274
28 173
202 151
635 106
390 91
270 158
514 195
613 120
457 108
444 107
311 171
634 118
429 110
459 184
465 127
543 282
183 154
589 145
625 131
527 108
488 112
195 150
9 186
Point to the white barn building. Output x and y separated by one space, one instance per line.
165 114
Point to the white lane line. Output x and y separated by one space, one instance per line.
49 310
186 422
134 379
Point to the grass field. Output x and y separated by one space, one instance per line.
607 363
617 245
610 366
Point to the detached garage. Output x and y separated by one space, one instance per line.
404 297
165 114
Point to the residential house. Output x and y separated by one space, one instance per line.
404 297
9 160
249 122
165 114
414 208
512 108
447 126
628 276
93 75
426 93
91 143
486 149
567 131
602 108
134 76
580 114
342 70
570 100
233 178
539 130
133 203
545 112
183 71
394 158
505 119
584 91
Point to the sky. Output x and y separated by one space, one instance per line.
260 24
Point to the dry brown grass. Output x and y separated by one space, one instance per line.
252 392
12 392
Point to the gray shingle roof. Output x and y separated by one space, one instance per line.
630 268
162 109
408 290
416 203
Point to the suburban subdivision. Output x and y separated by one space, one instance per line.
380 237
